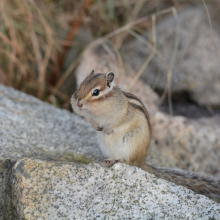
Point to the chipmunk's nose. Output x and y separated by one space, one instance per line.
79 103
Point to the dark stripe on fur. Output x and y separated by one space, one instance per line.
140 108
90 79
130 96
144 111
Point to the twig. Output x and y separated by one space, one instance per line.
210 109
131 17
170 73
48 50
144 41
72 33
131 24
141 70
210 23
154 35
66 74
15 60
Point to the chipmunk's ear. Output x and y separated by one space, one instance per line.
92 72
110 76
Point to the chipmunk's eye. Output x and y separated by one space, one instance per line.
95 92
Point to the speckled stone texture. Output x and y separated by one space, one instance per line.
55 190
38 188
32 128
192 144
29 127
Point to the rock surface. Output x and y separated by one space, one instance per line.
190 144
32 128
51 183
196 66
184 141
55 190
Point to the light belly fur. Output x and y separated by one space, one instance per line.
113 146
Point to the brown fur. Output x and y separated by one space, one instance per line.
129 117
198 183
142 108
90 83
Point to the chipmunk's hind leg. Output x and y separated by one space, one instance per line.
138 157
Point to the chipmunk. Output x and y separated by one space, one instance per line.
125 130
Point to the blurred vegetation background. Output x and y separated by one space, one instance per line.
41 41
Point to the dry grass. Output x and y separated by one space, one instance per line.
28 45
36 36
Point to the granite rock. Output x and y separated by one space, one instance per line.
190 144
55 190
32 128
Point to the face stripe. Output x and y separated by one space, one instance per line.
91 82
103 97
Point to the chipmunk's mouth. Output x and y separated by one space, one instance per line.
82 109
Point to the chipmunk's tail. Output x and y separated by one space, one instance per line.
199 183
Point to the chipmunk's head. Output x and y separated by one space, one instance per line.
94 94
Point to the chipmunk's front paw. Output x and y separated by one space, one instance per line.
107 129
112 161
95 125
